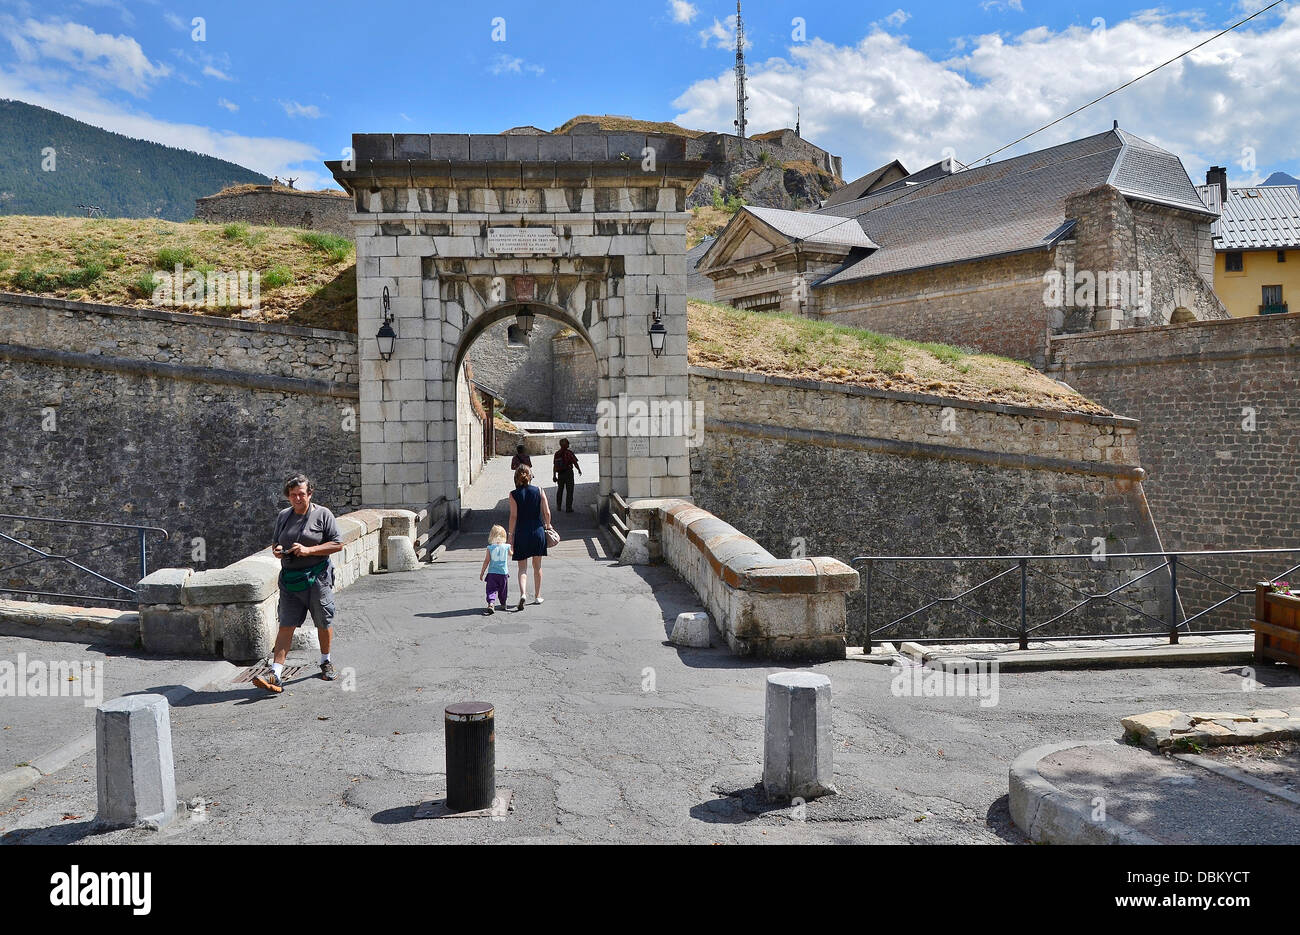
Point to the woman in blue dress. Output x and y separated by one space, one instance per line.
530 517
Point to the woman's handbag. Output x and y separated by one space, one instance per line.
552 537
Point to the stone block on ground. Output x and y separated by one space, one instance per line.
797 747
306 639
134 771
401 554
636 551
692 629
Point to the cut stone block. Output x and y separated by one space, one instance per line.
692 629
636 551
797 749
134 772
401 554
306 639
162 586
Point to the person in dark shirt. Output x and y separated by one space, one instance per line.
520 458
565 464
305 536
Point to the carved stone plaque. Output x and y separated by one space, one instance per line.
522 240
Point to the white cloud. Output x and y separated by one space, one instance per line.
510 65
881 99
227 104
897 18
682 11
999 5
213 72
175 22
722 36
294 109
115 60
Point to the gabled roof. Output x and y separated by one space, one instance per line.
863 184
777 228
813 228
1266 217
1016 205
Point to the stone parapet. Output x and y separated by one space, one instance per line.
231 611
763 606
63 622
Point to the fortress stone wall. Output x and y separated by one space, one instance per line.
279 207
180 421
1219 403
822 469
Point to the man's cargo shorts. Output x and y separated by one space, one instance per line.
318 600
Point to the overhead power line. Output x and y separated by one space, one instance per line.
1084 107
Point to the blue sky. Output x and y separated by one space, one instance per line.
280 86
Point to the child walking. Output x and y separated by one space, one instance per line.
497 571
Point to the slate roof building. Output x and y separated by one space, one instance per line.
1256 245
969 256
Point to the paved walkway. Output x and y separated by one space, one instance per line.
604 732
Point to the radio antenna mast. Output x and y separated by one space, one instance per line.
740 74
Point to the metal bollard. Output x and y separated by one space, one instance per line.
470 730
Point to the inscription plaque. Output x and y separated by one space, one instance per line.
522 240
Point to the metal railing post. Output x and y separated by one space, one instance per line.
866 632
1024 598
144 561
1173 599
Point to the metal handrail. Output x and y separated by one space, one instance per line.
1170 561
141 536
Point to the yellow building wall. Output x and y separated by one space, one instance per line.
1243 292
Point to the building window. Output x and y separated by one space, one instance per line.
1232 262
1281 256
1272 301
516 336
767 302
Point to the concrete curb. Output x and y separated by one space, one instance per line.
24 777
1049 816
1217 654
1239 775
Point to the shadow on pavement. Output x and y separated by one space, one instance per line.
395 816
65 833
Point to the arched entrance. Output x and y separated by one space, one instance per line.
533 372
459 232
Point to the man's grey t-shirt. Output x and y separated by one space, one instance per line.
315 526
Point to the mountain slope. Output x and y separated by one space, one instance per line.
1281 178
123 176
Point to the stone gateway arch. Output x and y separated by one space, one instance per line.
457 232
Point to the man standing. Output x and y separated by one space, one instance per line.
520 458
305 536
565 463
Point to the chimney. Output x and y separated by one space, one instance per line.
1218 175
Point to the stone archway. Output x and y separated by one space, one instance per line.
479 329
462 231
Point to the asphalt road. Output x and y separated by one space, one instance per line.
604 733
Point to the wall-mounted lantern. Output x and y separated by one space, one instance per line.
524 319
657 330
386 337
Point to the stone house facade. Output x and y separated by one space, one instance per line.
1099 233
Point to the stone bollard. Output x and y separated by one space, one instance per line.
636 550
691 629
306 639
797 735
135 775
401 554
